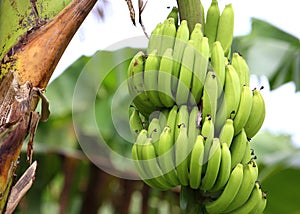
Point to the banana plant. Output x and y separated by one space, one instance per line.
34 35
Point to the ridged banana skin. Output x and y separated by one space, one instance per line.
212 21
155 38
181 156
257 115
199 71
168 35
218 64
182 118
251 203
213 165
225 168
182 37
249 179
227 132
166 156
197 35
185 74
165 78
231 99
207 131
226 28
135 123
244 110
210 96
242 68
196 162
152 65
238 147
227 196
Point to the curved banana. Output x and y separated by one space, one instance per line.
199 71
250 205
213 165
249 179
197 35
166 156
257 115
163 117
248 154
155 38
171 121
207 131
210 96
231 189
135 123
225 168
182 37
196 162
212 21
241 67
185 74
227 132
168 35
174 14
154 131
225 28
238 147
182 118
152 65
193 126
181 156
261 205
244 109
165 78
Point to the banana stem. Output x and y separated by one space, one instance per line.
190 10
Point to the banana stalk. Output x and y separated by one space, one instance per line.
25 71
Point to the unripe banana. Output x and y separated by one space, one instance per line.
212 20
231 98
154 131
171 121
210 96
165 78
218 64
249 179
193 126
250 205
182 37
257 114
182 118
135 123
261 205
182 155
229 192
244 109
163 117
174 14
213 165
197 35
196 162
248 154
155 38
241 67
238 147
186 74
168 35
152 65
207 131
227 132
225 28
225 168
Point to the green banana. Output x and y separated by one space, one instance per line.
250 205
186 74
238 147
212 21
196 162
225 168
213 166
261 205
230 191
244 109
168 35
210 96
197 35
199 71
152 65
241 67
135 123
181 156
225 28
249 179
163 117
171 121
257 114
182 37
154 131
165 77
193 126
182 118
218 64
174 14
166 156
227 132
155 38
231 99
207 131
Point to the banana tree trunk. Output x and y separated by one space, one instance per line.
25 71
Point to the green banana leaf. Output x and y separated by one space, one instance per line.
271 52
18 17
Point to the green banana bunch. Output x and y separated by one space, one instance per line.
212 21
